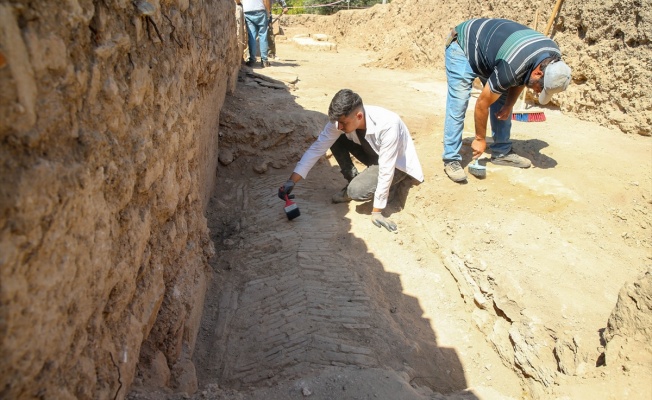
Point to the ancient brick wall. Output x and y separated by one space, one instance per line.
108 150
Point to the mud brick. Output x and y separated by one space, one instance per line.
310 273
344 320
297 342
313 266
313 285
273 323
275 359
255 284
330 346
332 338
258 376
294 310
285 235
296 356
260 294
278 338
287 283
324 313
316 301
322 236
342 298
353 349
336 356
360 359
292 299
316 357
247 367
346 304
356 326
360 298
270 304
355 313
274 350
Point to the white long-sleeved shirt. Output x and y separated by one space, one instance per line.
388 137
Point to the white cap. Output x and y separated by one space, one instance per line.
556 78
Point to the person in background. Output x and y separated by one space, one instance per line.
271 41
507 57
378 138
257 19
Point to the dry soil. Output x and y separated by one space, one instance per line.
492 289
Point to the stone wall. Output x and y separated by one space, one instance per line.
607 45
108 150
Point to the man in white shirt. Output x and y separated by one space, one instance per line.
256 14
376 137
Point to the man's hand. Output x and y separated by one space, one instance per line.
286 189
378 220
285 10
504 112
478 146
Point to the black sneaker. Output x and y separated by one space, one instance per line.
250 63
265 63
342 196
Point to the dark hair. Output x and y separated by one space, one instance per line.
344 102
547 61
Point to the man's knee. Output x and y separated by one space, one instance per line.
363 187
359 191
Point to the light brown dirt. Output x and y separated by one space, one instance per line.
528 284
498 288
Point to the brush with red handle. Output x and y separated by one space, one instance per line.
291 208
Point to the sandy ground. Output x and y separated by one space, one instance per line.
474 297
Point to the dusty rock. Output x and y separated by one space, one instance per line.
628 334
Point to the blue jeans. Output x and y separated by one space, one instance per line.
460 76
257 25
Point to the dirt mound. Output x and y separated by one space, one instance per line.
607 45
629 329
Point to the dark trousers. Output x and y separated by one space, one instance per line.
343 149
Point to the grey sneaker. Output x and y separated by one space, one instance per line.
512 159
342 196
455 171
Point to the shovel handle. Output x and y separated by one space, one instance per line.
552 17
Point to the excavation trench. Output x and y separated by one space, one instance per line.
466 300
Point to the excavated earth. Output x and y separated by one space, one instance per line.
496 289
144 253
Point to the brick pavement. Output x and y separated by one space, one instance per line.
300 308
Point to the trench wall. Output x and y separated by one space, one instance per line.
108 151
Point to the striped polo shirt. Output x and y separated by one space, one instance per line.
502 51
